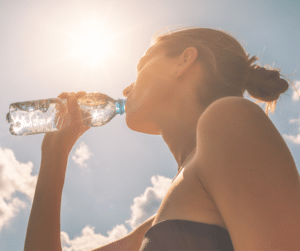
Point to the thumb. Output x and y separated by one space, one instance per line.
73 116
72 104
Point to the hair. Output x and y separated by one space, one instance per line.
229 69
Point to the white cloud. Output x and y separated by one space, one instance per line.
14 177
148 203
295 94
143 207
292 138
90 240
82 153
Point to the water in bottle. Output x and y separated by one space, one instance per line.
42 116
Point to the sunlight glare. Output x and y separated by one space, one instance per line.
92 42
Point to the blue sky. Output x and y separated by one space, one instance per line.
116 178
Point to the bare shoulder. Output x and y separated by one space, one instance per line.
248 170
237 114
230 105
235 129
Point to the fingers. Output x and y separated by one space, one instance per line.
71 114
68 120
71 97
64 95
80 94
72 103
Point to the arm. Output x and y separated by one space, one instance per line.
248 170
132 241
43 231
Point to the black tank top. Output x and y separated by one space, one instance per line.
186 235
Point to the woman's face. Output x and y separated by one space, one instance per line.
147 96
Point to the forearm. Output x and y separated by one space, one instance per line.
43 231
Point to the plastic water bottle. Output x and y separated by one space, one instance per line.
42 116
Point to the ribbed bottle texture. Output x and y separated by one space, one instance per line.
42 116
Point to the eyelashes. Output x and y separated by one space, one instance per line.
140 64
138 68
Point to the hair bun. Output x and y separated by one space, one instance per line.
264 84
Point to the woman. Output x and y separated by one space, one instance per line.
237 185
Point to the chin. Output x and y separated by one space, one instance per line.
142 127
137 119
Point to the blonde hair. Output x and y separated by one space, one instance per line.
230 70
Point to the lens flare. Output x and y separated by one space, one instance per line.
92 42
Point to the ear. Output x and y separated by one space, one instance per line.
186 60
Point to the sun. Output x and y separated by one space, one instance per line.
93 47
92 42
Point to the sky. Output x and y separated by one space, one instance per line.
116 178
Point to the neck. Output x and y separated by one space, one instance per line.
179 131
181 143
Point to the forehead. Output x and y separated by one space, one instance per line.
154 49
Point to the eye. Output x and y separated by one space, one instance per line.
137 71
140 64
138 68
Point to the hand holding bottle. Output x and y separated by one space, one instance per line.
70 126
65 122
46 115
43 231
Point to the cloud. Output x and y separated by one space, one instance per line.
148 203
143 207
292 138
295 94
14 177
90 240
82 153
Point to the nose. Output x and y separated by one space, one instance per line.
127 90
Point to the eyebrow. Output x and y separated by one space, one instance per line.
142 59
149 53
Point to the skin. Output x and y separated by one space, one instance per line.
162 101
43 231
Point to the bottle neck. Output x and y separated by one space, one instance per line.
120 106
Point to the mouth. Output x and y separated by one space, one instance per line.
128 96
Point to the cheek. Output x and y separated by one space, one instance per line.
153 84
154 81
